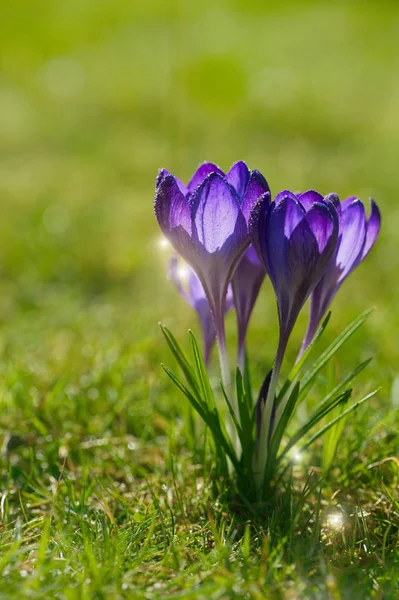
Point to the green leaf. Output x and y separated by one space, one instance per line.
247 383
331 440
324 429
343 415
332 349
201 410
210 418
202 374
181 359
317 416
244 405
279 432
343 383
232 413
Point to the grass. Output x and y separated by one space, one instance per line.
103 491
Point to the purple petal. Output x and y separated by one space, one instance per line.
373 229
285 194
238 177
293 216
307 199
276 241
321 224
229 298
353 227
197 292
246 282
200 302
164 173
208 328
345 203
305 263
257 187
302 256
215 209
257 226
175 276
171 208
333 202
252 256
203 171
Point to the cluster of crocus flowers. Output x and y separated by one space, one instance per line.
231 233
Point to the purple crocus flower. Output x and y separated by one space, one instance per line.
295 237
207 224
190 288
357 236
246 283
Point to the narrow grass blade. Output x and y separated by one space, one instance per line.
284 420
278 434
232 413
201 410
244 404
332 349
344 383
202 374
324 429
210 418
330 443
346 412
313 420
181 359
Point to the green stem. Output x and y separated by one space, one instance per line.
267 411
227 384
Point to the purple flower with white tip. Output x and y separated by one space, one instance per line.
190 288
207 224
246 283
356 237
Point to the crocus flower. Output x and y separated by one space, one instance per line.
207 224
246 282
357 236
295 237
190 288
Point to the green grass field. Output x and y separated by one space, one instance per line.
102 495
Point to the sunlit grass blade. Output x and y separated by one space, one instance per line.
317 416
331 441
181 359
202 374
331 350
232 413
324 430
244 404
210 418
343 415
340 386
197 405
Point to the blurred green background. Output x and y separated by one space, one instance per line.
96 96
